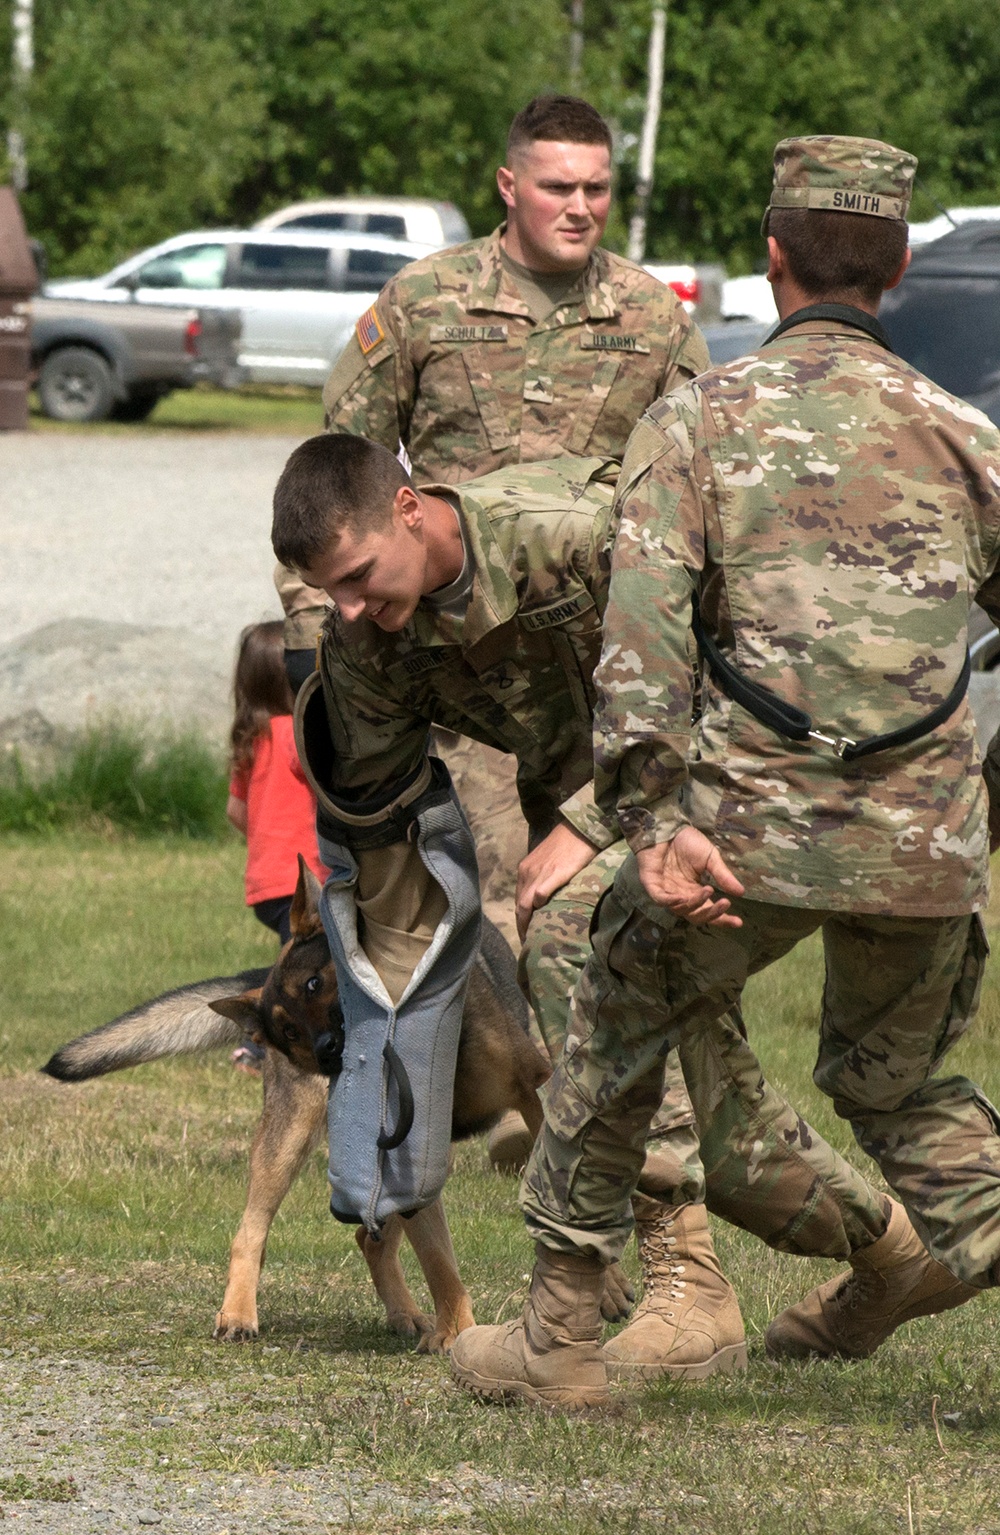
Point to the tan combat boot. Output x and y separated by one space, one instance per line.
688 1323
552 1356
890 1282
509 1143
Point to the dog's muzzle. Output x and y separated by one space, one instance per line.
328 1049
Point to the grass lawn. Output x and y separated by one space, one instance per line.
118 1200
264 408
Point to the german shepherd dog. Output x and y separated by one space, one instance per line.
293 1011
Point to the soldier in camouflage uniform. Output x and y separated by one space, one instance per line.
504 650
832 514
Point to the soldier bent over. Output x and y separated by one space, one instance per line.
478 607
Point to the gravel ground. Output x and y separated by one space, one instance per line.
58 1412
129 566
138 530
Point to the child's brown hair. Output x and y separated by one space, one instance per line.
260 689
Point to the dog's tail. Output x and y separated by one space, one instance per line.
177 1023
497 962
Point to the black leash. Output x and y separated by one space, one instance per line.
786 720
766 707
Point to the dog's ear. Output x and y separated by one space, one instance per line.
244 1009
305 917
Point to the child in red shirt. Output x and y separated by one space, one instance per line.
270 801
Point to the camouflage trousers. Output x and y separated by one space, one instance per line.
899 992
720 1133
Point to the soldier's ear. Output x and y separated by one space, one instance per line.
505 183
900 271
408 506
776 266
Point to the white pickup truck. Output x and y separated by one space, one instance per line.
91 361
300 293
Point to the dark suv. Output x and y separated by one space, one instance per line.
944 317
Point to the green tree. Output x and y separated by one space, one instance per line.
149 119
144 118
411 97
742 74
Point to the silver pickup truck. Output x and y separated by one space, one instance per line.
91 361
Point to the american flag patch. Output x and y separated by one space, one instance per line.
370 332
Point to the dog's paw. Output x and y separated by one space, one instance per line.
438 1341
410 1324
619 1293
447 1326
229 1329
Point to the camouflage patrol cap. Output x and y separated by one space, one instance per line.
845 175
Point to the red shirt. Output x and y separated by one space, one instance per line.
281 815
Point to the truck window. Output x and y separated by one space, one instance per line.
321 221
282 266
195 266
949 328
390 224
368 270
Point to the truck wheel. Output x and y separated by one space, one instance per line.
75 383
137 406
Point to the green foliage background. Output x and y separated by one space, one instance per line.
146 119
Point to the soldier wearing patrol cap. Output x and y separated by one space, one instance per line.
816 518
479 607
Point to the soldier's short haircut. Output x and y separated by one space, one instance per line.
833 255
332 482
560 120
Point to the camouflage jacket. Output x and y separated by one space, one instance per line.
450 363
516 672
837 513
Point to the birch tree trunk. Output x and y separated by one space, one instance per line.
575 45
22 26
650 124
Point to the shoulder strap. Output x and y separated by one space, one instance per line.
766 707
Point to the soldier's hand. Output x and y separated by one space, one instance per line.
686 876
549 866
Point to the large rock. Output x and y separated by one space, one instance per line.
81 671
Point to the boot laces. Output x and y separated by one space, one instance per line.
858 1288
659 1261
